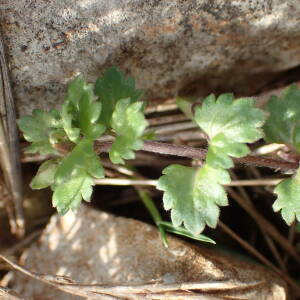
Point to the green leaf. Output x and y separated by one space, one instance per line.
288 200
42 147
229 124
129 123
80 113
72 132
68 195
185 106
45 175
150 135
75 89
183 232
283 124
57 136
82 156
73 179
37 129
193 195
88 115
112 87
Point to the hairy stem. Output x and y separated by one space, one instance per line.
199 153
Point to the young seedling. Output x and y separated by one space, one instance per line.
194 195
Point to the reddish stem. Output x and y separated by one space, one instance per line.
199 153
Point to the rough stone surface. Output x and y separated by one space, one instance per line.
168 46
95 247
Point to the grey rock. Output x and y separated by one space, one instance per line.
170 47
94 247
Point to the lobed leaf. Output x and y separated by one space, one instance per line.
75 90
68 195
129 123
229 125
38 128
45 175
288 200
73 178
80 113
111 88
194 195
88 114
283 124
72 132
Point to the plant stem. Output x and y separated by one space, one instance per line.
144 196
199 153
272 163
148 202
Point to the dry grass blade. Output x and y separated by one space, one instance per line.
9 144
154 290
125 182
260 257
157 107
180 297
162 120
9 294
274 251
153 182
247 246
265 224
269 241
20 245
291 237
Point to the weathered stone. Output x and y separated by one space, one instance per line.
168 46
95 247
